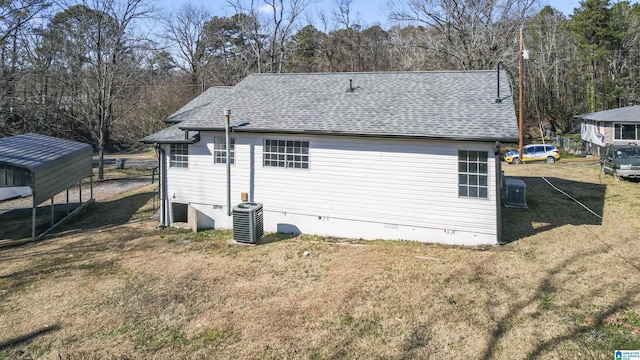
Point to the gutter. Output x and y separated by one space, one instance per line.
359 135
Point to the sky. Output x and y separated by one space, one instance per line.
370 12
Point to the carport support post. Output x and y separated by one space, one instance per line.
53 213
33 222
33 212
80 191
67 201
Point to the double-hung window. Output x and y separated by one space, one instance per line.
473 174
220 151
179 155
286 154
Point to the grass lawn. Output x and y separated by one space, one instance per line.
109 285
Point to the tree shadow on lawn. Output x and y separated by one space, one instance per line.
547 297
19 340
99 234
110 213
545 290
103 217
16 224
549 209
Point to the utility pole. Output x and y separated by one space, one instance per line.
520 99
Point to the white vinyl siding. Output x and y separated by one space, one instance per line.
372 181
179 155
386 182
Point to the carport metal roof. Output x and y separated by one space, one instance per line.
54 164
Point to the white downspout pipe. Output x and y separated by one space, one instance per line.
227 115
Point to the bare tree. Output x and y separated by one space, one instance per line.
348 34
15 14
185 31
548 37
15 18
471 34
97 50
273 25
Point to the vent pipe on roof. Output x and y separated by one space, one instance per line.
351 87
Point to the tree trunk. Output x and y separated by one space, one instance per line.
100 161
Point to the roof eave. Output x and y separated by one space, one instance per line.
192 140
352 134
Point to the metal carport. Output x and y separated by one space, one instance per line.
48 166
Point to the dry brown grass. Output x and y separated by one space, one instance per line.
111 286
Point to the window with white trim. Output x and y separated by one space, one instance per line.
473 174
220 151
286 154
179 155
627 132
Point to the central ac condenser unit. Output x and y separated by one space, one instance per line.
247 222
515 193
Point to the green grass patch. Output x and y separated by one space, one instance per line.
213 336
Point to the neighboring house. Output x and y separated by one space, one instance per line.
615 126
394 155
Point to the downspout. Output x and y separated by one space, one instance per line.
227 114
498 166
162 189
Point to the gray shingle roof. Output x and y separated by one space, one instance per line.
621 115
34 151
173 134
449 105
201 102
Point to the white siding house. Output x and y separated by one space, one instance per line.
407 156
614 126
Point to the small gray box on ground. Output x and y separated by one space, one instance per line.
515 193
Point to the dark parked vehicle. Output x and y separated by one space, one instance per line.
621 161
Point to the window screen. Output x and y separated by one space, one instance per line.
473 178
179 155
286 154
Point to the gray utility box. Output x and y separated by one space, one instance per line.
247 222
515 193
